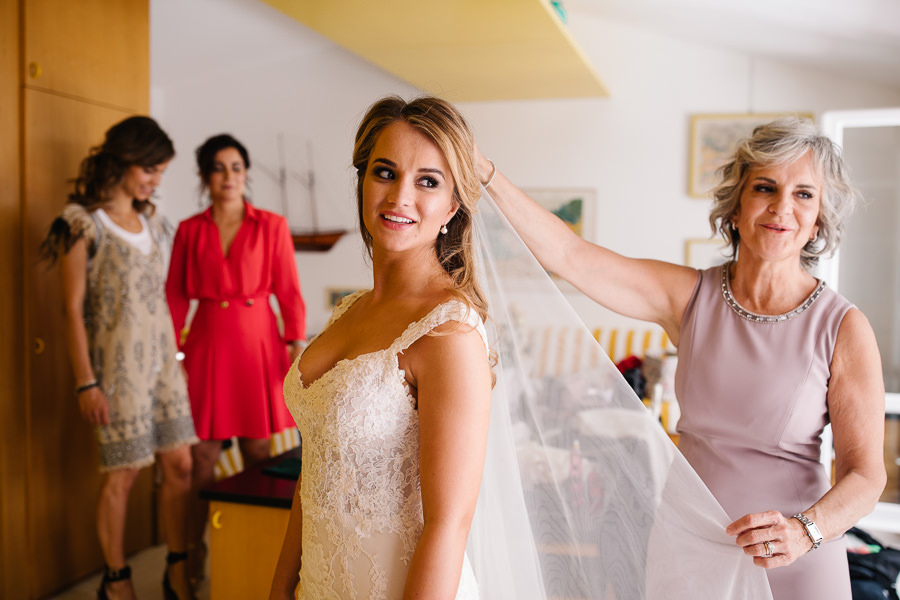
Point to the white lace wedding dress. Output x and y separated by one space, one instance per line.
362 502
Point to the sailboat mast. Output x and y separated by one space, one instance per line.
282 178
311 179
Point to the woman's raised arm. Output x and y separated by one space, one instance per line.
648 290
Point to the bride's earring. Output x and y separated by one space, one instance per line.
444 229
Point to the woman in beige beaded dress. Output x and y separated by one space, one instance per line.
113 253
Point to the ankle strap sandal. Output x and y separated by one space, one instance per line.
171 559
112 576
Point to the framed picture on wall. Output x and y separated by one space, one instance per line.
333 296
575 206
713 140
702 253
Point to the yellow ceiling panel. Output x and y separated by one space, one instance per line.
463 50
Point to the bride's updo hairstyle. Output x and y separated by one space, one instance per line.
441 123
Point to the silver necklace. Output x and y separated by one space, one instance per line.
746 314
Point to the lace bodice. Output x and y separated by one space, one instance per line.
360 492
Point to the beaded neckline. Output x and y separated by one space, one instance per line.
746 314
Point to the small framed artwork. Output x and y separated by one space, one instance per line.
713 141
333 296
576 207
702 253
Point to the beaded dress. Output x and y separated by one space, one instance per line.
753 395
132 345
360 488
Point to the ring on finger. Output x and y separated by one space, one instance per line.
768 548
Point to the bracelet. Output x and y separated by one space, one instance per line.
86 386
493 172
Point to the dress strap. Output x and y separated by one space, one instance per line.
81 222
98 231
452 310
160 228
343 306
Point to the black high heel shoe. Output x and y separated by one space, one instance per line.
112 577
171 559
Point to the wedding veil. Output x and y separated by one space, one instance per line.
583 496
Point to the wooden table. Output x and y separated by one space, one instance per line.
248 517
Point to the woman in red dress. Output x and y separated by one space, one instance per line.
231 258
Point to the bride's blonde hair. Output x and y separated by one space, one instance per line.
441 123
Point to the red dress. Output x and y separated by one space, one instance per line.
235 357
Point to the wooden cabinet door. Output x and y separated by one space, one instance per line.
13 406
64 482
244 544
90 49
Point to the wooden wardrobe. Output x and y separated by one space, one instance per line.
68 70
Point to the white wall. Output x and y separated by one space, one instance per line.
240 66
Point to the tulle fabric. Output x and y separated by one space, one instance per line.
584 496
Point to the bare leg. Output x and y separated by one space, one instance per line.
175 496
254 451
205 454
111 511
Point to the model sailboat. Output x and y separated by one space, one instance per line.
309 240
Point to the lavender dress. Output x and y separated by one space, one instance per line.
753 397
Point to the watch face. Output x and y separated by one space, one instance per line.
812 530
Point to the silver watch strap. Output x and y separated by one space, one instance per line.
811 529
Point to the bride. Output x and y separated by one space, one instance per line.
393 398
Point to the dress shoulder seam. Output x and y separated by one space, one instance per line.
451 310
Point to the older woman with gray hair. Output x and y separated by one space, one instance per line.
768 355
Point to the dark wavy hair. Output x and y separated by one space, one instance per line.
206 155
135 141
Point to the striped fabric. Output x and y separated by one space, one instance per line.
559 351
230 460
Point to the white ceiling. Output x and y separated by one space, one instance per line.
859 38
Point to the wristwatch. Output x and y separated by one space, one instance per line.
815 536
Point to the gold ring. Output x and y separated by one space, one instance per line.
768 548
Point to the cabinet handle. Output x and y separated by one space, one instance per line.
39 345
34 69
216 519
